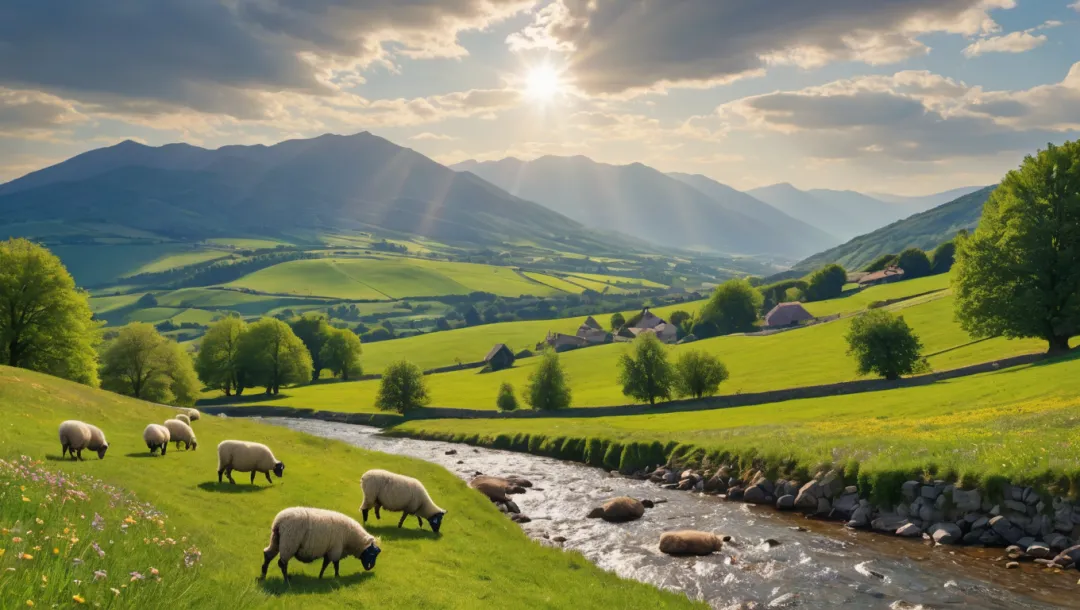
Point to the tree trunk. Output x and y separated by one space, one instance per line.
1059 344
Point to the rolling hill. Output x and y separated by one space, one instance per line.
358 182
844 214
642 202
925 230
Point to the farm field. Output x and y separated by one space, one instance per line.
230 524
808 356
554 282
617 279
180 259
857 301
154 315
387 279
973 428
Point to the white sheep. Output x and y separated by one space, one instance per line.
193 414
395 492
310 533
156 437
243 456
179 432
183 417
76 436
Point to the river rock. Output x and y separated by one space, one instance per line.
846 503
786 502
619 510
973 536
909 530
648 503
824 507
1072 553
946 533
1014 551
910 489
735 493
1016 506
690 542
716 484
967 501
1057 542
1012 565
1004 528
860 517
784 601
757 495
1038 550
519 518
495 488
512 506
888 523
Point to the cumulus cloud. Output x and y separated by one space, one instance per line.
32 114
622 48
1013 42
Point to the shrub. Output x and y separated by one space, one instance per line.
617 321
506 400
402 388
271 355
733 308
699 374
826 283
881 263
645 374
548 389
142 363
884 344
941 260
914 262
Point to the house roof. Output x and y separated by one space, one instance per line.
880 275
495 350
592 323
649 319
787 313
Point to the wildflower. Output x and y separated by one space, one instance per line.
78 599
192 556
98 523
55 551
37 548
39 521
67 530
5 531
25 499
10 570
27 556
30 603
153 572
77 561
136 576
99 574
97 548
115 591
2 551
44 578
16 540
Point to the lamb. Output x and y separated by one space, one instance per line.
690 542
183 417
179 432
76 436
243 456
193 414
156 436
310 533
395 492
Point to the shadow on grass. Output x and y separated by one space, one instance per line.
305 583
87 456
143 454
391 531
239 400
229 488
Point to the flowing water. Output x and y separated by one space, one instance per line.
824 566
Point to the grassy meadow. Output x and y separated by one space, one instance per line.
1022 424
229 525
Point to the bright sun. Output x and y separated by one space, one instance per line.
542 83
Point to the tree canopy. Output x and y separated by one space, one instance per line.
341 353
883 343
942 258
826 283
272 355
314 330
506 401
644 371
733 307
548 389
218 362
617 321
1018 274
142 363
402 388
914 262
45 322
881 263
698 374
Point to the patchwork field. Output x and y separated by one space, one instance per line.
555 282
91 265
230 524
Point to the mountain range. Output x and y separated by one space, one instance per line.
328 183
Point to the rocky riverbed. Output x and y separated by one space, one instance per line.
772 560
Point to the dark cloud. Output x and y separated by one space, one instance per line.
617 46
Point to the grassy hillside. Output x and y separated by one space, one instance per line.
809 356
858 300
925 230
230 525
1022 424
391 278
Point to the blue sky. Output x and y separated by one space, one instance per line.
900 96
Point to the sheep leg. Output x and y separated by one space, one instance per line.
325 562
377 507
284 565
337 573
219 473
402 522
420 521
64 448
365 513
268 479
164 446
228 473
80 455
252 477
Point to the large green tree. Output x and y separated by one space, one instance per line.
883 343
271 355
698 374
341 353
644 371
313 330
45 322
826 283
142 363
548 389
1018 274
218 362
943 257
402 388
914 262
733 308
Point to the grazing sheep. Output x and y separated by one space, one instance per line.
156 437
496 488
310 533
193 414
395 492
690 542
179 432
183 417
243 456
76 436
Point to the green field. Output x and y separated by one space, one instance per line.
1022 423
91 265
230 524
859 300
180 259
387 279
245 243
154 315
807 356
617 279
554 282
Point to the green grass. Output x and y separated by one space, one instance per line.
618 279
481 558
858 300
554 282
180 259
103 305
1022 424
387 278
245 243
595 285
91 265
808 356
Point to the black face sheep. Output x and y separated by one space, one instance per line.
183 417
76 436
243 456
313 533
156 437
395 492
179 432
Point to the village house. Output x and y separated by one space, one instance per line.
593 333
500 357
651 323
561 342
787 314
885 276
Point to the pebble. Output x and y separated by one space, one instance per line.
1012 565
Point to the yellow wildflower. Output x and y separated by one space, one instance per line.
2 551
37 548
27 556
5 531
55 551
78 599
67 530
30 603
39 521
22 487
115 590
129 520
44 578
25 499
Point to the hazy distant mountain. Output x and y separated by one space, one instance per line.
640 201
926 202
793 229
330 182
841 213
924 230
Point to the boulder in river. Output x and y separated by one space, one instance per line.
619 510
946 533
690 542
495 488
